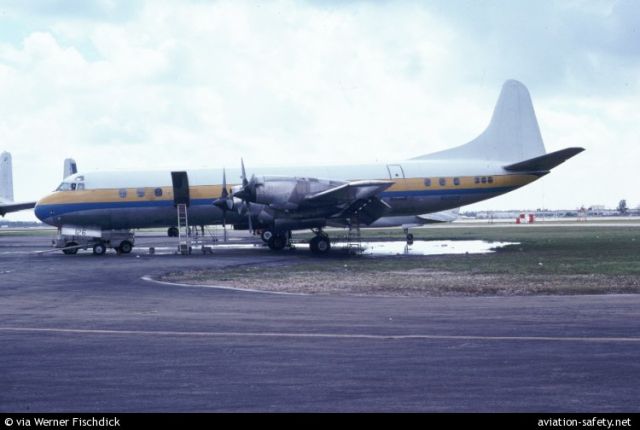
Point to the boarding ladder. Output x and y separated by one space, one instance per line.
184 233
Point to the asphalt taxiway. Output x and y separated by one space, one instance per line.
85 333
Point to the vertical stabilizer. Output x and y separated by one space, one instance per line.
512 135
6 177
70 167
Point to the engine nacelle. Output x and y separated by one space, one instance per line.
286 193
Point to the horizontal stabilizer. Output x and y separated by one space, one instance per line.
443 216
544 162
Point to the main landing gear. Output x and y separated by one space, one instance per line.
276 241
320 243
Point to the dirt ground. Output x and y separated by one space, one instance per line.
419 282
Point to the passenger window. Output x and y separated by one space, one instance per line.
158 192
477 180
140 192
490 179
122 193
484 179
427 182
442 181
456 181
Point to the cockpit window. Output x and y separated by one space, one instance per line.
70 186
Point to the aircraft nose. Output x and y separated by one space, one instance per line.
43 211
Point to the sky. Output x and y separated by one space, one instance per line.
121 85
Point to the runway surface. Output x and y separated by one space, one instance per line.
84 333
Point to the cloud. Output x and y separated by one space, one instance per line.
194 84
95 10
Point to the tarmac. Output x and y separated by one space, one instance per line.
84 334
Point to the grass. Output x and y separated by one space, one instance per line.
541 250
9 232
547 260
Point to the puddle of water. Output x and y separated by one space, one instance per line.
419 247
432 247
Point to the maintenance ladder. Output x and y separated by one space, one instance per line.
184 233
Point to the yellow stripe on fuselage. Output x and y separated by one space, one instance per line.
466 182
114 195
131 195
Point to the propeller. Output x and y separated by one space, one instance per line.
224 203
247 193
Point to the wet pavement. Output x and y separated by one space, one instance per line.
86 333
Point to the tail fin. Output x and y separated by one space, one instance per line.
6 177
70 167
512 135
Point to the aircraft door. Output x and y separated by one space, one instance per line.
180 188
395 171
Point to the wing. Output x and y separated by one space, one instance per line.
356 199
345 193
5 208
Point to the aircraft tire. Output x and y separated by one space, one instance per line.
99 249
410 238
320 244
266 235
172 232
125 247
277 242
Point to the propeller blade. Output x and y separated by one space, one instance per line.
225 193
224 203
245 182
249 218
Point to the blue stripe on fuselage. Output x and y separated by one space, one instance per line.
44 211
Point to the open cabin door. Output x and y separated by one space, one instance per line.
180 188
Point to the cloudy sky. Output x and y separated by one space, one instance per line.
179 84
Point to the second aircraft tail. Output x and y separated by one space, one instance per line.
6 177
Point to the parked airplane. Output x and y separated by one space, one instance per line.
6 188
69 168
509 154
